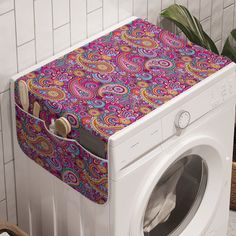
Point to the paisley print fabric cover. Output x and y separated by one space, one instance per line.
119 78
65 159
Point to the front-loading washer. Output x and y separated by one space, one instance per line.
169 172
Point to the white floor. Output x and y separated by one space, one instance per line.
232 224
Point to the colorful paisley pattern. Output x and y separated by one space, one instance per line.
136 66
65 159
103 87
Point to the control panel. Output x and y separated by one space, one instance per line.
169 120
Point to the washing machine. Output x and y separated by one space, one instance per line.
169 172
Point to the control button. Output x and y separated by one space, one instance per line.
182 119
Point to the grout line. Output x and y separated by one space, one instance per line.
222 26
7 162
67 23
205 19
102 8
17 63
88 12
25 42
4 171
4 92
118 10
133 3
3 200
4 13
224 7
70 22
231 5
234 16
53 43
86 19
35 52
212 3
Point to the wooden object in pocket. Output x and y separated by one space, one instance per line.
63 127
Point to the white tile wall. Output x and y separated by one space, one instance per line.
61 38
6 126
94 20
93 5
60 11
32 30
125 9
6 5
2 177
24 11
78 17
110 12
43 29
205 9
10 192
26 55
8 54
140 8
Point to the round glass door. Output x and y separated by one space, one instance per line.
176 197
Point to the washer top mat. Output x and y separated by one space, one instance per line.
117 79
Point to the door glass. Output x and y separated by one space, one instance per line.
176 197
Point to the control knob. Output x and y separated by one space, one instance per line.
182 119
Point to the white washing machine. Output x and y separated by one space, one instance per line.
173 166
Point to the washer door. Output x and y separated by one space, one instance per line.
182 190
176 197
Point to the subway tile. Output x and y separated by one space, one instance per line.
216 19
6 5
235 15
60 12
6 126
26 55
140 8
193 7
3 210
43 29
10 192
227 22
205 8
2 178
110 12
228 3
154 10
125 9
94 22
206 24
78 20
8 58
219 45
167 3
93 5
61 38
24 21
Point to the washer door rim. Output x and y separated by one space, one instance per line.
201 146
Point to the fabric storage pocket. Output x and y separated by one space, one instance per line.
64 158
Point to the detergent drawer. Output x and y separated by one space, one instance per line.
136 146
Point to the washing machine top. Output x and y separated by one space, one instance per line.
117 79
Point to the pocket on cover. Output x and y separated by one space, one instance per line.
64 158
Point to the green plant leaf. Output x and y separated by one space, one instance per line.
229 49
190 26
